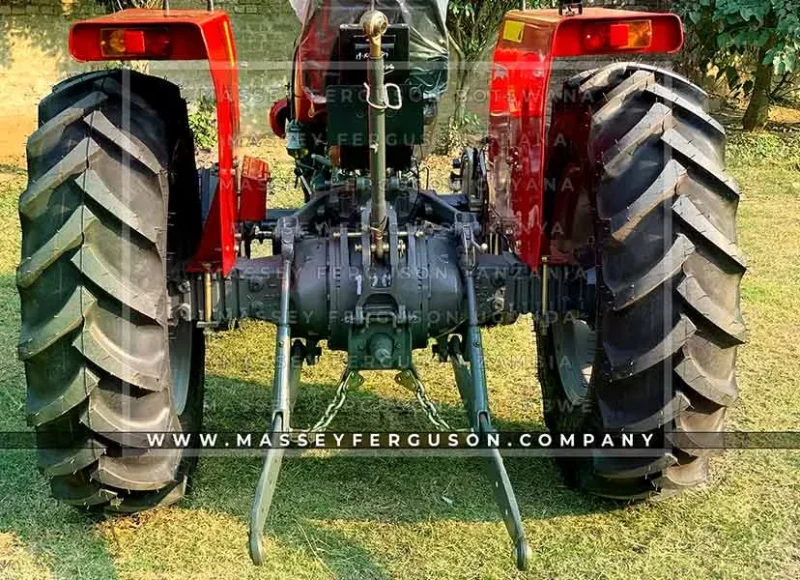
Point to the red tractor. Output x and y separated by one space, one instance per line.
600 207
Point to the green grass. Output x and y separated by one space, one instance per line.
374 518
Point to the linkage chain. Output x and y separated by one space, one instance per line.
336 403
408 379
411 381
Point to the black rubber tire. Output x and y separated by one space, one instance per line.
108 169
668 274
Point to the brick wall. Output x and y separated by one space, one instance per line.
82 8
67 8
239 6
245 6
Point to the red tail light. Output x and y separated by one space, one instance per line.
134 43
98 40
609 36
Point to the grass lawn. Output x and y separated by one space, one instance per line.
359 518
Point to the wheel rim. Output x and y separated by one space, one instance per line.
575 343
181 338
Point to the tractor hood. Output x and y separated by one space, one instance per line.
426 20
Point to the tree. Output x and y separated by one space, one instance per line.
765 33
473 26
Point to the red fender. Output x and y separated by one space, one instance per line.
182 35
528 42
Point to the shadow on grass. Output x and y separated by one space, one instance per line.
312 491
64 538
384 488
12 169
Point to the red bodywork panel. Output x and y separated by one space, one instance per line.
192 35
254 188
518 105
278 116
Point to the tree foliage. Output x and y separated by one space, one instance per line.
749 41
473 26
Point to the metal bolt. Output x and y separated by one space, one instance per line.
183 311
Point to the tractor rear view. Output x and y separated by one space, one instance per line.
601 207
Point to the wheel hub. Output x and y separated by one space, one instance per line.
575 346
181 339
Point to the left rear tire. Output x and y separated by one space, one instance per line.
111 212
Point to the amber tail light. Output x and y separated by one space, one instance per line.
608 36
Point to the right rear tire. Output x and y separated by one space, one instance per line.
659 221
111 212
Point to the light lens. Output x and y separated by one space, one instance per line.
134 42
640 34
605 36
